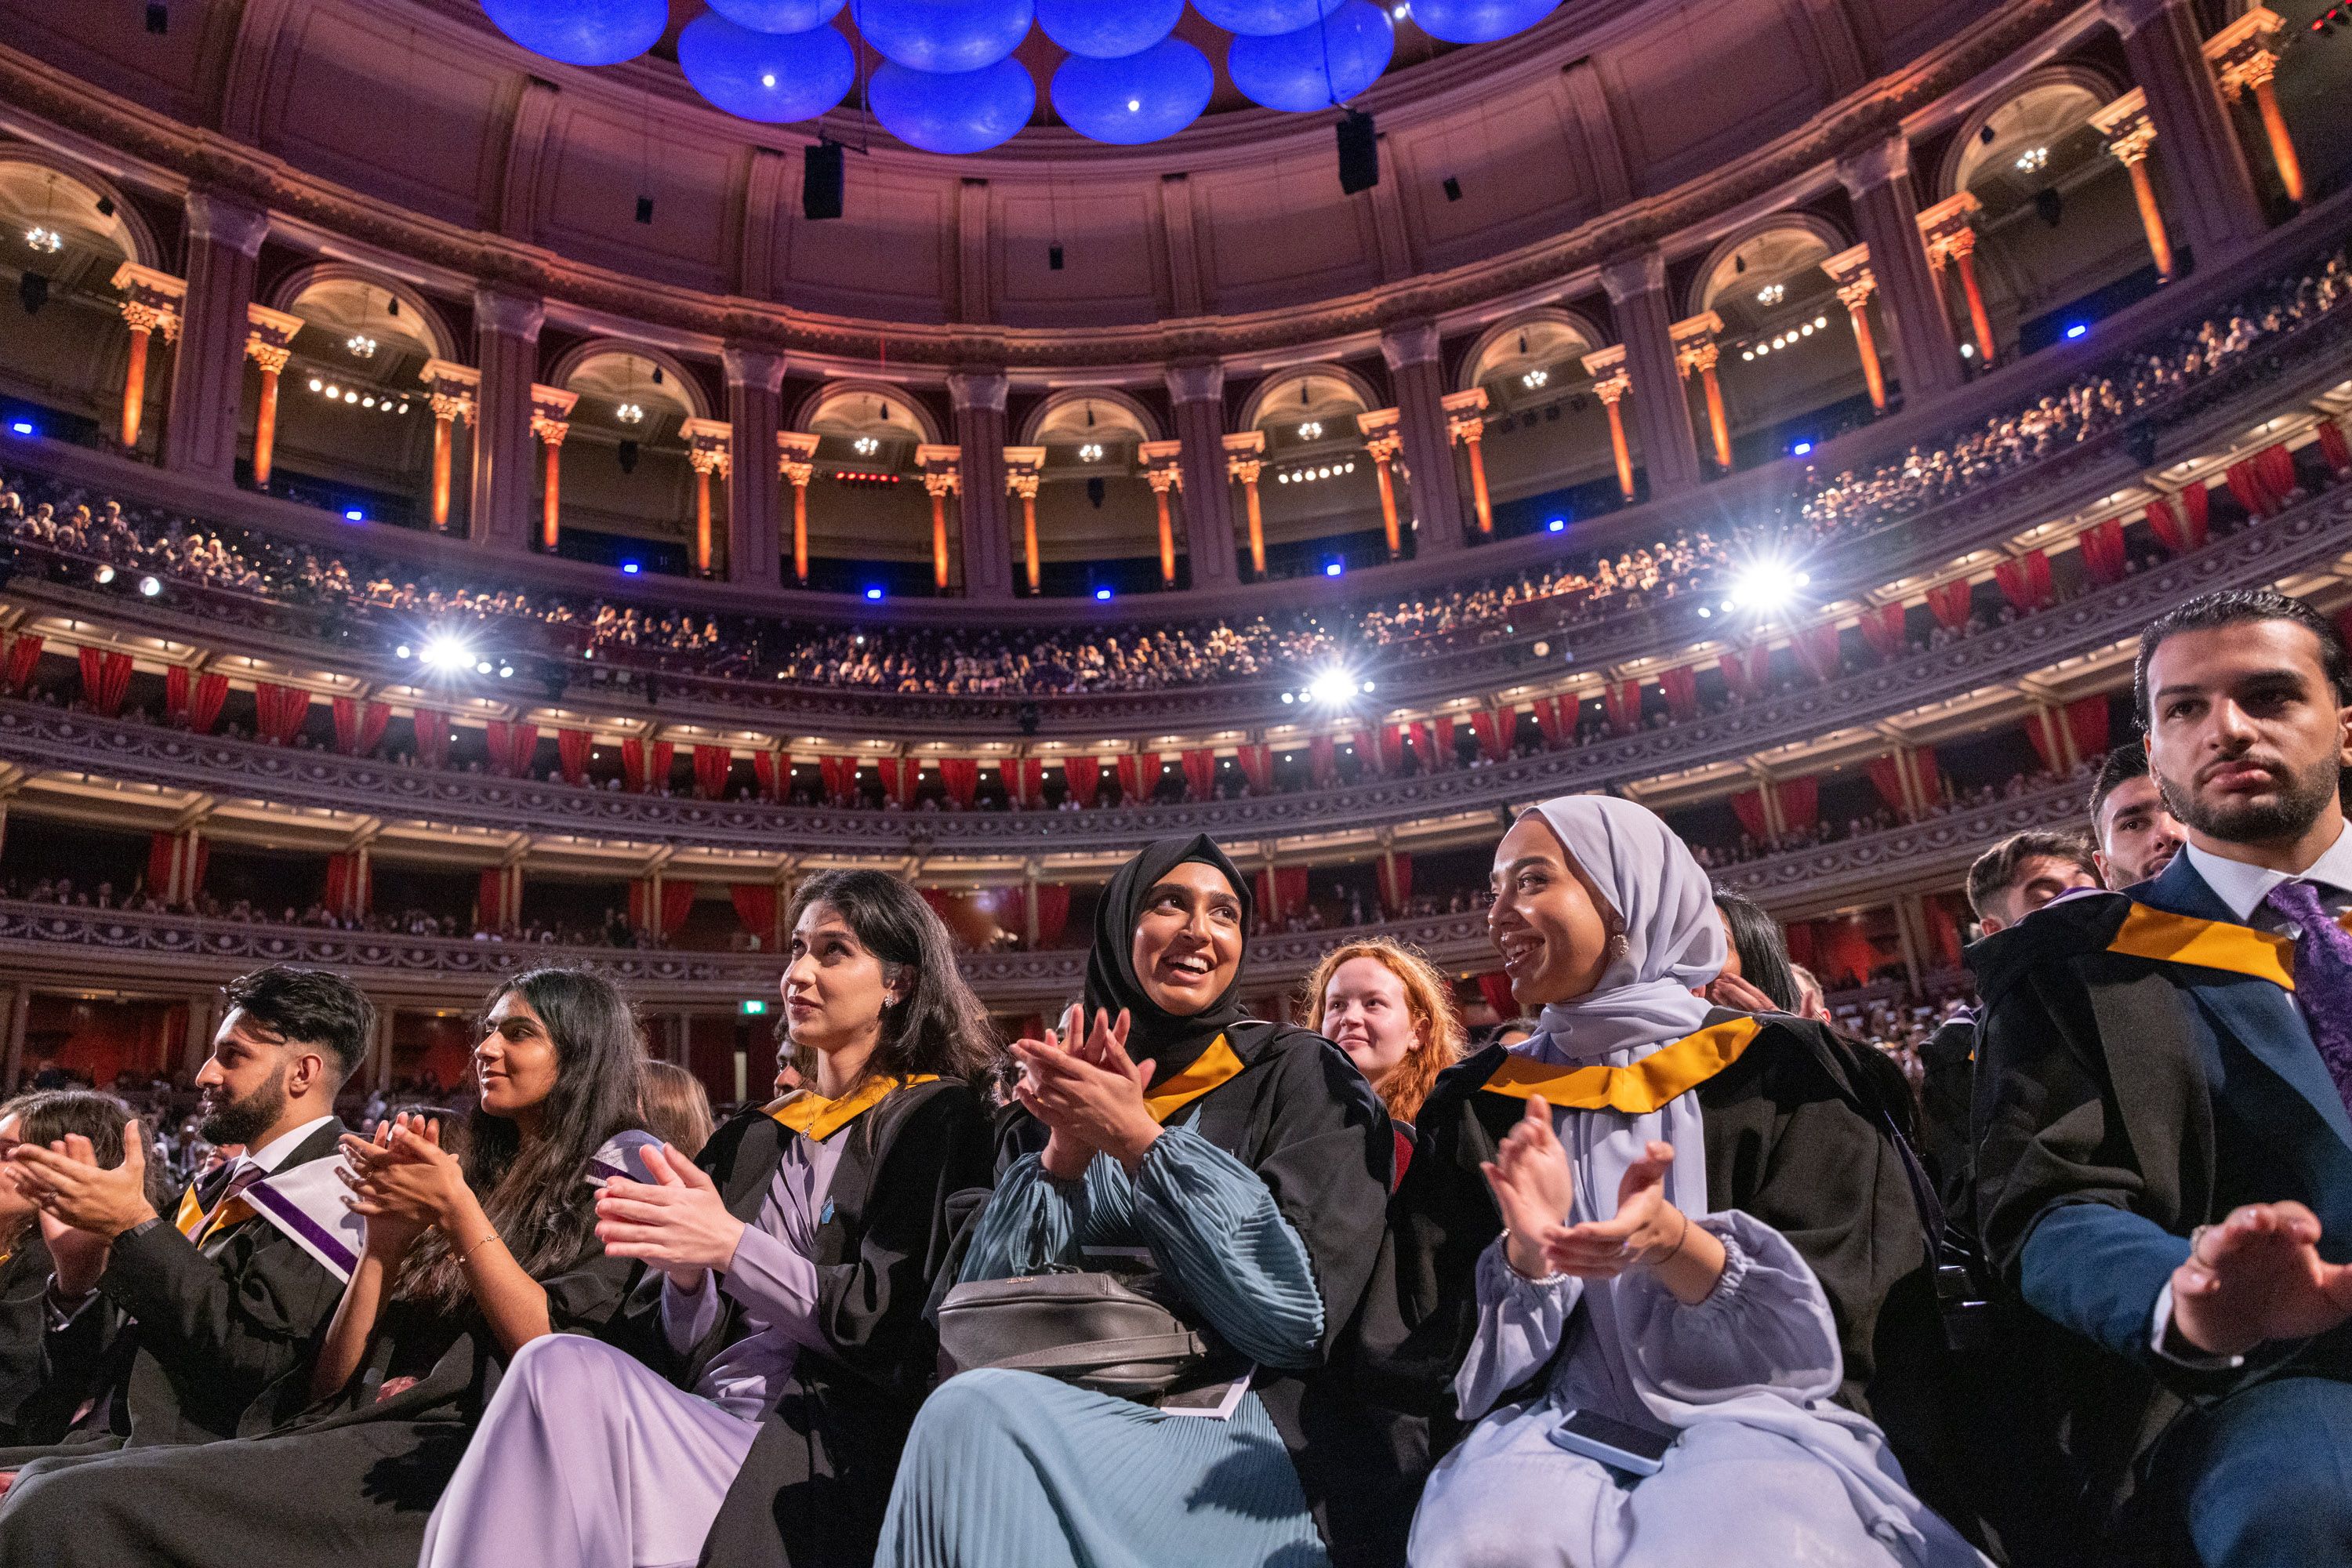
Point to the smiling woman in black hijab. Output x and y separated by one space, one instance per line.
1251 1162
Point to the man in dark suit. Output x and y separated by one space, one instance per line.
2135 834
2163 1144
196 1326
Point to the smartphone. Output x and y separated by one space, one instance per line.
1631 1449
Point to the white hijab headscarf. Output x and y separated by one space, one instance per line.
1674 941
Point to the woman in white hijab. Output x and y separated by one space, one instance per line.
1678 1218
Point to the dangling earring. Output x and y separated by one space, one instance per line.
1620 946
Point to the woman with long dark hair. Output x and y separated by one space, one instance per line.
1250 1160
777 1350
466 1262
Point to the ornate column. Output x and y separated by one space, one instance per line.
754 410
268 335
1611 383
796 461
1378 430
979 436
150 304
208 372
550 421
451 388
1637 293
2130 134
1694 350
1465 423
1245 460
1417 375
2244 55
2212 189
1163 471
942 470
1850 270
1948 231
1878 180
1198 391
506 349
1024 468
709 450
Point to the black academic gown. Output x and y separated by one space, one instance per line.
24 1280
351 1481
813 1488
1792 1138
1301 1116
191 1343
2122 1099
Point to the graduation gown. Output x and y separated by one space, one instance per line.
191 1342
2142 1069
1792 1141
815 1486
351 1480
24 1280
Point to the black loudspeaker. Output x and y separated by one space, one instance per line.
2139 440
1360 154
2049 205
33 291
820 182
628 454
1095 491
1028 718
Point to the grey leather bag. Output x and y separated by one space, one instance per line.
1094 1329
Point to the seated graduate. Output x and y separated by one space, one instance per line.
1251 1161
463 1262
1660 1213
2164 1155
198 1328
1390 1010
782 1324
35 1409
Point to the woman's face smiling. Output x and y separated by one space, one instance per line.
1547 921
1368 1014
515 1063
1188 940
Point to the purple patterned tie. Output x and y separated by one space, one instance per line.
2323 977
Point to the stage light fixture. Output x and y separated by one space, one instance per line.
21 426
443 652
149 587
873 593
1331 687
404 651
2077 330
1102 594
103 577
1766 585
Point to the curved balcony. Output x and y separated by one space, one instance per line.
46 944
2307 540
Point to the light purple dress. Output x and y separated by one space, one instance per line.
589 1458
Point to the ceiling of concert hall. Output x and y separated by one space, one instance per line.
1486 150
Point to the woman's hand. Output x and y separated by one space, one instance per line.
1090 1097
1534 1188
404 1183
1647 1229
1732 992
677 1222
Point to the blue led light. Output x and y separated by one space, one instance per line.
958 111
1801 449
778 16
582 32
353 514
770 78
1333 568
1108 29
873 593
1321 64
1102 593
1141 98
1556 525
950 36
630 568
1477 21
1263 18
2077 330
22 426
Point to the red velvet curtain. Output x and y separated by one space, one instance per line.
1801 801
2335 448
1748 805
1547 720
2025 582
1083 775
1027 782
1943 931
2197 506
1053 912
764 775
1742 674
431 738
1445 731
2086 723
633 764
24 653
1621 701
1257 767
105 681
2275 463
1290 881
2251 488
158 863
1396 883
2041 727
1201 772
837 777
1883 630
1887 777
2165 524
1846 955
901 776
572 755
205 703
511 747
2103 557
959 776
359 725
1128 770
280 711
1322 761
712 765
1486 726
1950 604
338 882
1816 648
677 902
755 908
489 913
1680 685
1496 990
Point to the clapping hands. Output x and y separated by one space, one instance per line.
1087 1091
402 1182
1534 1188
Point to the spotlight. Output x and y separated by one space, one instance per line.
1802 449
353 514
150 586
445 653
481 667
404 651
1287 698
2077 330
1103 593
1333 568
103 577
1556 525
1331 687
506 671
630 568
317 385
1766 586
20 426
873 593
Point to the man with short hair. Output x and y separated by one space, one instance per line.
2163 1120
183 1329
2025 871
2136 837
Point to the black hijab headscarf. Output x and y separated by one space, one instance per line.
1168 1041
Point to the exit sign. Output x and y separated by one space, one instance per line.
754 1009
